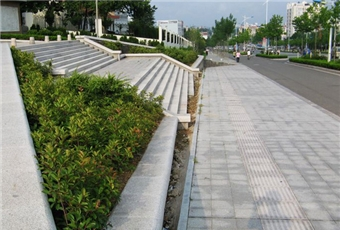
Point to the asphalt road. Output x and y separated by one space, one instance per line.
320 86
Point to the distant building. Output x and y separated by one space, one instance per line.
205 35
10 16
294 10
174 26
120 23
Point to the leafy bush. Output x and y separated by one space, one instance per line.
35 27
110 36
129 39
271 56
86 130
186 56
154 43
32 31
27 37
320 63
113 45
140 49
84 32
45 32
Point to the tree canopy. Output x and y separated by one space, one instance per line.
79 12
223 29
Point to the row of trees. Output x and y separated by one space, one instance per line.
315 22
78 13
226 27
318 19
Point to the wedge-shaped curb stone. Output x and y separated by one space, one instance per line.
23 204
143 198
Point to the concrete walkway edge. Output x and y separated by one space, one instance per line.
183 218
144 196
23 204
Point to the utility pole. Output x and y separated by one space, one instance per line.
266 24
97 30
330 45
329 58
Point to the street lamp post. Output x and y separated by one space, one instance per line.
330 40
97 31
244 25
266 2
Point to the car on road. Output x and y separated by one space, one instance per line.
337 52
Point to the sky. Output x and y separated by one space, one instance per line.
204 13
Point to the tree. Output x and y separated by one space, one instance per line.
319 17
194 35
223 29
52 8
335 19
274 28
78 12
142 14
303 25
243 37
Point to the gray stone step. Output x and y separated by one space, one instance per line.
151 80
176 94
52 50
183 100
64 60
77 64
91 65
64 55
191 86
105 62
47 46
144 72
170 88
162 85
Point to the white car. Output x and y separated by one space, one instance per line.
337 52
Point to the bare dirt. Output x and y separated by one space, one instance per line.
179 166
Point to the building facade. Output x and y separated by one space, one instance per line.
10 18
173 26
294 10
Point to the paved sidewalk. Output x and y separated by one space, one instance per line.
265 157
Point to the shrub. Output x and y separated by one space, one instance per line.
186 56
320 63
129 39
154 43
84 32
32 31
139 49
273 56
45 32
110 36
27 36
86 130
113 45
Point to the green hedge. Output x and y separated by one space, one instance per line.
273 56
322 63
37 37
187 56
87 131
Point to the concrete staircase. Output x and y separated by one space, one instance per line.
142 204
156 74
159 77
69 56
